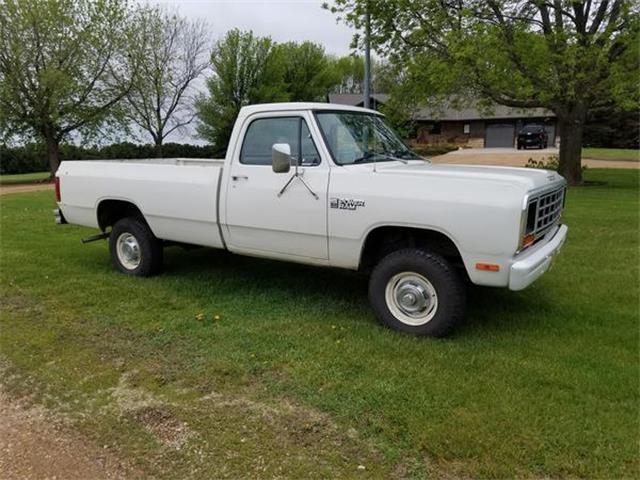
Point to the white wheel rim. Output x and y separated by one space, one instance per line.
411 298
128 251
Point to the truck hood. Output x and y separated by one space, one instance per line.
526 178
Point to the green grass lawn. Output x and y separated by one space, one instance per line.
23 178
624 154
297 379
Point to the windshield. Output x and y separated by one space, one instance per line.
354 137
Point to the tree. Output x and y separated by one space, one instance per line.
569 56
350 70
247 69
171 54
308 72
63 66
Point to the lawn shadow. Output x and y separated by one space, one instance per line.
194 273
493 310
488 309
264 281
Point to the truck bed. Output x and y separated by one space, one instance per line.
203 162
177 196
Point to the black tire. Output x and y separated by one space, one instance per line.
150 257
440 275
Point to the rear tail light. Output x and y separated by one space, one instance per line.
57 189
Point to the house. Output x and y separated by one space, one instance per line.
496 126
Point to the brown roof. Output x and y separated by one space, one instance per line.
449 113
356 99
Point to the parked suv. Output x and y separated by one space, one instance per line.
532 136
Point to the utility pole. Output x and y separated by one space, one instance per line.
367 60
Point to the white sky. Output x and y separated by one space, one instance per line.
282 20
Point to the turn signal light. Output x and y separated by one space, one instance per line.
490 267
528 240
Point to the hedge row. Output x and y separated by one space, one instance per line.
32 157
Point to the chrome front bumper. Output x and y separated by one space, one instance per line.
528 269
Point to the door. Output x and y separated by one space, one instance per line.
500 135
550 128
260 216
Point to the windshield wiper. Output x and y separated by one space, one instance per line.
394 156
390 156
364 157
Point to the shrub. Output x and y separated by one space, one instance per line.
434 150
546 163
32 157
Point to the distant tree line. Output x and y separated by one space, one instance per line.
31 157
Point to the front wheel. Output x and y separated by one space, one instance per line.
417 292
135 250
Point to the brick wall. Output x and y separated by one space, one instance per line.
453 132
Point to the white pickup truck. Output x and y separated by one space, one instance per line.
330 185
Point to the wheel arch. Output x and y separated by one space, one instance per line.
384 239
110 210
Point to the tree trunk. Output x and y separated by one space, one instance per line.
158 147
53 153
571 127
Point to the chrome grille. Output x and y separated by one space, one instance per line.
548 208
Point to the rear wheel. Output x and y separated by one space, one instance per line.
135 250
417 292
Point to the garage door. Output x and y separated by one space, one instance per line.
500 135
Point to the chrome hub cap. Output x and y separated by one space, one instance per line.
128 251
411 298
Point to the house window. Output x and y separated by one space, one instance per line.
467 128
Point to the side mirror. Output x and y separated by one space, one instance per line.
281 157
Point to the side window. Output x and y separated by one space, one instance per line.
264 132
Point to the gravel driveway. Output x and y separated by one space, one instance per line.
510 157
34 445
29 187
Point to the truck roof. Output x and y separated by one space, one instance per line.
275 107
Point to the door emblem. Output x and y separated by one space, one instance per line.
346 203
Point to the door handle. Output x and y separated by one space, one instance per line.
235 178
